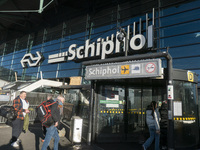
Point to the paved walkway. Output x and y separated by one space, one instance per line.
32 141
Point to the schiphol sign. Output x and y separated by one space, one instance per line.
103 47
134 69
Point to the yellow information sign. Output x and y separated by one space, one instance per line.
125 69
190 76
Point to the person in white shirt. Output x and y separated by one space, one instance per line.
20 105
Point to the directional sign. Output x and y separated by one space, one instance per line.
131 69
31 60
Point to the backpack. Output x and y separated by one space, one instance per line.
8 112
44 113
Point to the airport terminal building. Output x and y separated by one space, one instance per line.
114 57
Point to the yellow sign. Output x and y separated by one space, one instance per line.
190 76
75 80
125 69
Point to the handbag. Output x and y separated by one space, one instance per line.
8 112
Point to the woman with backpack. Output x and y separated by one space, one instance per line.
152 120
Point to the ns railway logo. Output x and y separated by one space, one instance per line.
31 59
101 48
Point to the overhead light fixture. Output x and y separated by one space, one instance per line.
40 10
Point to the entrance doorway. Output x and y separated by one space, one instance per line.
121 107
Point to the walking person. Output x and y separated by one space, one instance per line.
60 99
52 129
50 100
152 120
20 105
163 124
61 130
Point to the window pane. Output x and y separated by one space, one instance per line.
19 72
38 47
181 28
178 18
187 63
6 64
32 70
75 25
179 7
32 76
103 32
9 47
69 73
54 47
49 75
52 67
185 51
17 61
180 40
7 57
16 66
69 65
79 42
20 54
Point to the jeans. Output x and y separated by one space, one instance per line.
153 134
51 132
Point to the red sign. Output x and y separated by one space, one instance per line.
150 67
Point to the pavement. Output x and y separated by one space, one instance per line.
31 140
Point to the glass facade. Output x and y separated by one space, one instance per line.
176 27
178 30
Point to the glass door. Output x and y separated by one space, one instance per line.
121 110
138 100
110 122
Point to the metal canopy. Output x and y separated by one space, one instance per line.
39 10
21 17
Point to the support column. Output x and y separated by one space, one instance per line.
89 136
170 134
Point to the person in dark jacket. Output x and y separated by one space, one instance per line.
52 129
49 99
163 124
